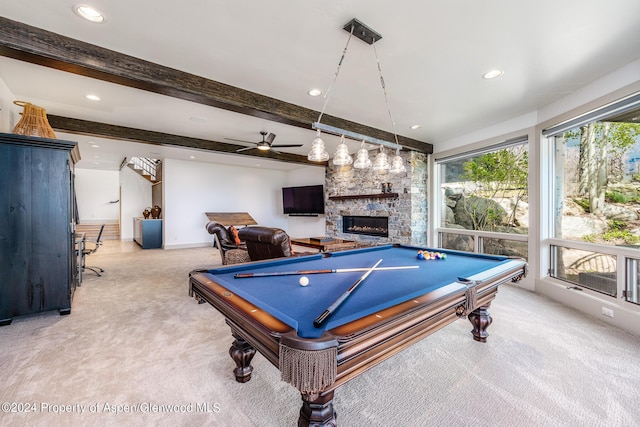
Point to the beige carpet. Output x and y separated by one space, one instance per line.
136 338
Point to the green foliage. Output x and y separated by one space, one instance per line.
590 238
624 235
501 170
479 213
498 174
616 224
616 197
619 136
583 203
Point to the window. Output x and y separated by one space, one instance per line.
483 200
596 200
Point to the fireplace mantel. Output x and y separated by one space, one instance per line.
366 196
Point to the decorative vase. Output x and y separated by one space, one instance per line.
155 212
33 121
146 213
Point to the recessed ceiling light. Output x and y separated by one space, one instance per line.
492 74
414 127
192 157
89 13
314 92
93 97
95 146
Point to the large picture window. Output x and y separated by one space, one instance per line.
597 200
484 200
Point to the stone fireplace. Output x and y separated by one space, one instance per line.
352 193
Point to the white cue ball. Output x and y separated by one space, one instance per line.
304 281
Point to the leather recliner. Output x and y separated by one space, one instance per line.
223 240
265 242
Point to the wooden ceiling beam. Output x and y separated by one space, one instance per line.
37 46
85 127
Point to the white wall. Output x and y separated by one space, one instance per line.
135 196
193 188
7 109
94 190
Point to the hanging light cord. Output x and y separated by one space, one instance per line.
335 77
386 99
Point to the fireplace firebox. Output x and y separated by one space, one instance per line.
368 225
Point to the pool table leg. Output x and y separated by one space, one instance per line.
241 352
317 410
480 319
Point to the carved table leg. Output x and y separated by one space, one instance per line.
241 352
480 319
317 411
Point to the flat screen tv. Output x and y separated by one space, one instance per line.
306 200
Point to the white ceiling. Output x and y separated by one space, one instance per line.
432 55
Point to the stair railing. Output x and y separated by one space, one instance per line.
146 165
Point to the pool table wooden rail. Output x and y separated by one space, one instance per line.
362 343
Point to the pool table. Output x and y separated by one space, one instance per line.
387 312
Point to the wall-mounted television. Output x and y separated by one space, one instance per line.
305 200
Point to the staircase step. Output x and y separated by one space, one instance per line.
111 230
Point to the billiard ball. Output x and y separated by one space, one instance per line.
304 281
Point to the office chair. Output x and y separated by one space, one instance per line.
88 251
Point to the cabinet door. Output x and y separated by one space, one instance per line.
35 244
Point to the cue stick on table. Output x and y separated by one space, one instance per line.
335 270
329 311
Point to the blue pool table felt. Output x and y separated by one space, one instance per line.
298 306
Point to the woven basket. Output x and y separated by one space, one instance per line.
33 121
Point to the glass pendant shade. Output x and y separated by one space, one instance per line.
397 164
342 157
381 162
318 152
362 158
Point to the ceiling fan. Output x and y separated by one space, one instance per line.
265 145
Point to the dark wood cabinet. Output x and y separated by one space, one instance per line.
38 263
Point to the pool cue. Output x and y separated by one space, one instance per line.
335 270
329 311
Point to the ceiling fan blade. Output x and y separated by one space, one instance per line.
288 145
270 138
275 151
244 149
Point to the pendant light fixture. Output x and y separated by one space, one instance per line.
342 156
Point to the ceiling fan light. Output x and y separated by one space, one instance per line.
263 147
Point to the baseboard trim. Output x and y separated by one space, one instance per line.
187 245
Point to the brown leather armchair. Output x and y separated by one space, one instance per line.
265 242
222 240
